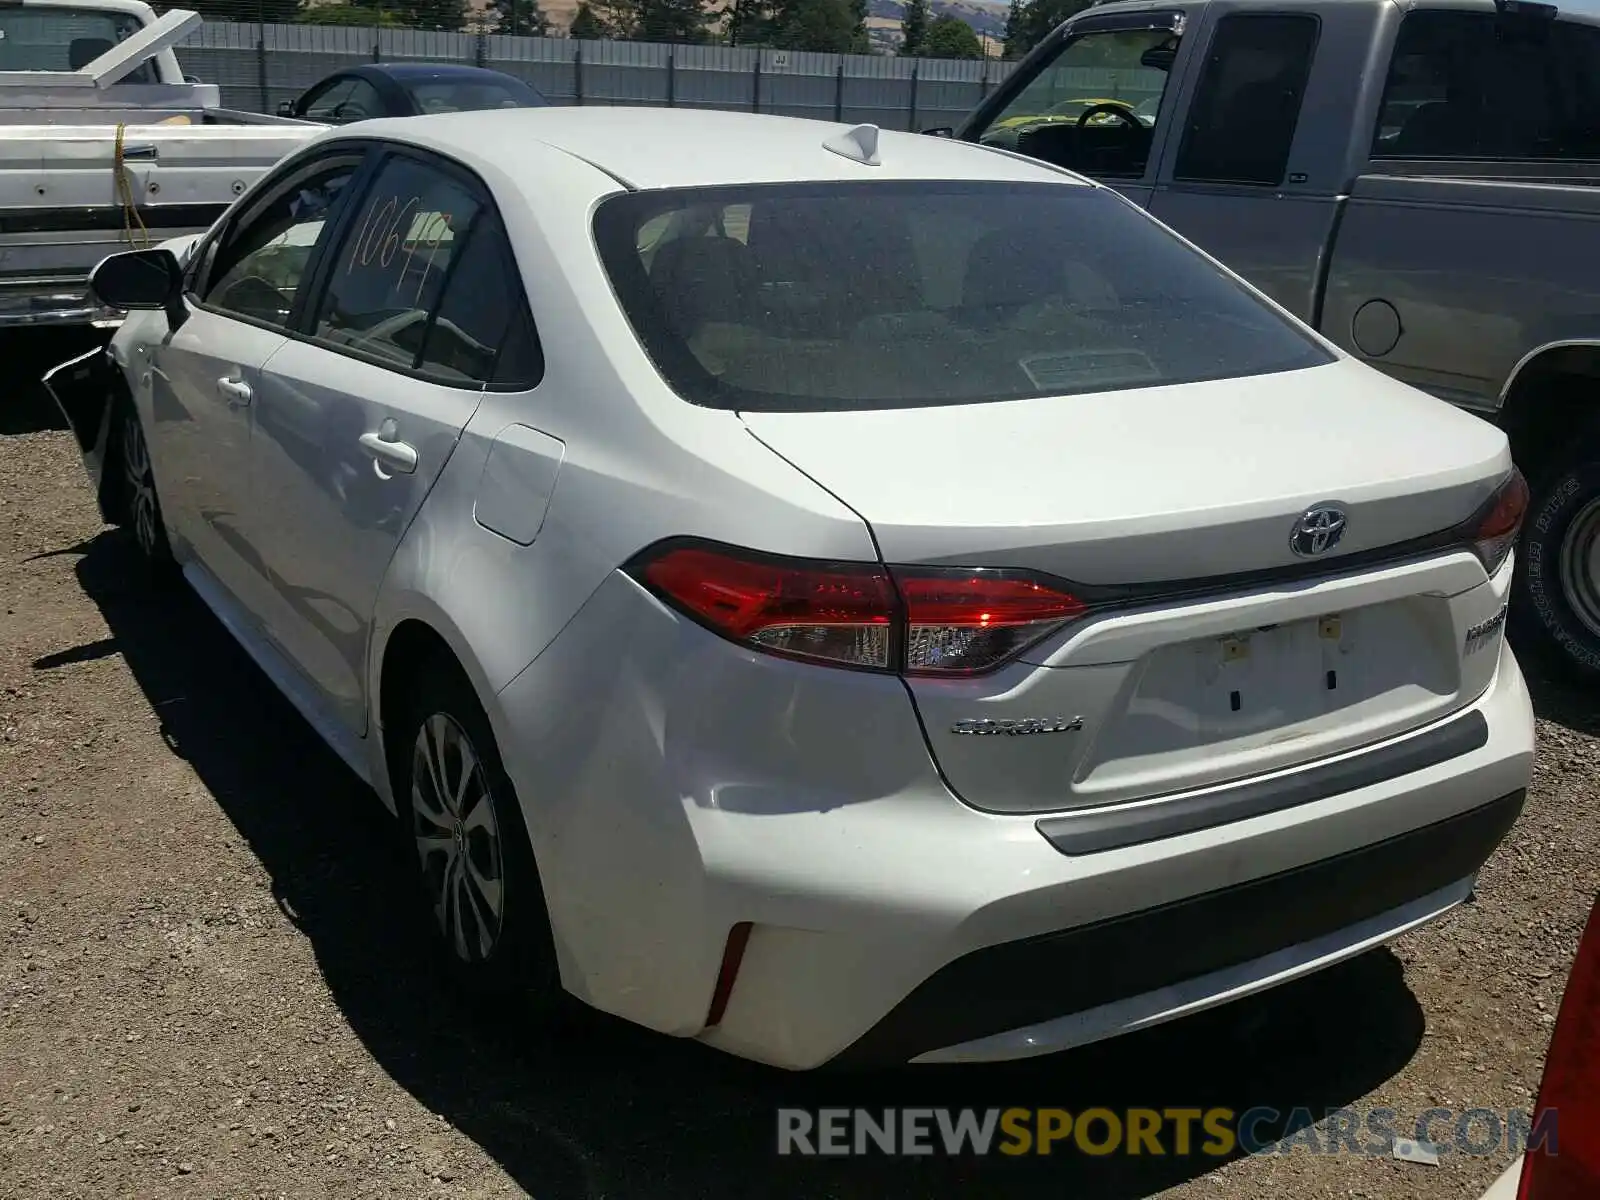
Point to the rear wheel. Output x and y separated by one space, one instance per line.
1558 581
480 885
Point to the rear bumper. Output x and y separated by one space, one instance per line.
1008 1001
677 786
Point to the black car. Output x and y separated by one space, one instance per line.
408 90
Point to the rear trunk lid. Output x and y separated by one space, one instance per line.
1214 650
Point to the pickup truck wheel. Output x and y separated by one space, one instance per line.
141 504
1558 580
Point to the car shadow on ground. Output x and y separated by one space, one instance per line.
607 1109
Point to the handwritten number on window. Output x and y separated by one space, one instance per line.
380 240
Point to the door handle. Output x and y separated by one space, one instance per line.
386 448
235 391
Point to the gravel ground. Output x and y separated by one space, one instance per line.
207 985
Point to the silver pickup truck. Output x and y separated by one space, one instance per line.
1419 179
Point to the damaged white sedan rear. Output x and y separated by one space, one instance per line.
842 597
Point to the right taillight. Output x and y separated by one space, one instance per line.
1497 529
937 621
1567 1167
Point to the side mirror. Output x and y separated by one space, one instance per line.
1160 58
941 131
285 108
141 279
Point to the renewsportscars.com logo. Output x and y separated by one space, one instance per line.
1213 1132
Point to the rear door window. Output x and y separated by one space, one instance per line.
388 275
1468 85
842 295
1247 104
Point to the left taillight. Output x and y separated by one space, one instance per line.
1569 1169
911 620
1497 528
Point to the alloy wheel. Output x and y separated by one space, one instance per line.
141 488
458 838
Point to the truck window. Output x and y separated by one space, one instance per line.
1466 85
65 39
1095 107
1247 104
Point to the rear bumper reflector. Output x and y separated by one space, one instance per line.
1129 825
732 956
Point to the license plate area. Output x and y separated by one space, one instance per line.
1264 697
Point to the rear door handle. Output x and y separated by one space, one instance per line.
389 451
235 391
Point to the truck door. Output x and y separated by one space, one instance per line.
1092 97
1240 185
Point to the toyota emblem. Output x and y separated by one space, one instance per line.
1317 530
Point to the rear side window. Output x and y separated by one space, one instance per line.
391 270
1242 122
874 295
1473 85
482 321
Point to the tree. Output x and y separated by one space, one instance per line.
586 25
825 25
516 17
1014 30
349 14
273 12
447 15
749 22
951 37
913 27
670 21
1039 19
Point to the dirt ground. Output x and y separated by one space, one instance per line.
209 985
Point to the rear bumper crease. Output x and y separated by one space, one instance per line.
1129 825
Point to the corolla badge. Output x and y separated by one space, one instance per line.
1318 530
1018 728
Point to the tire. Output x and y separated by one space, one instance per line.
141 503
1557 591
461 849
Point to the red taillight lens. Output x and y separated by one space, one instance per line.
923 621
974 620
1568 1166
1498 530
841 613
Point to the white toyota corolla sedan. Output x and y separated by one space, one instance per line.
845 597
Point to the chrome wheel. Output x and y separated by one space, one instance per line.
458 838
1580 566
143 514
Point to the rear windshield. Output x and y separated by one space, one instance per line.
878 295
64 39
469 96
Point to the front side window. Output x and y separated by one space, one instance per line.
325 105
1094 108
390 271
260 263
876 295
361 104
1242 122
1465 85
65 39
